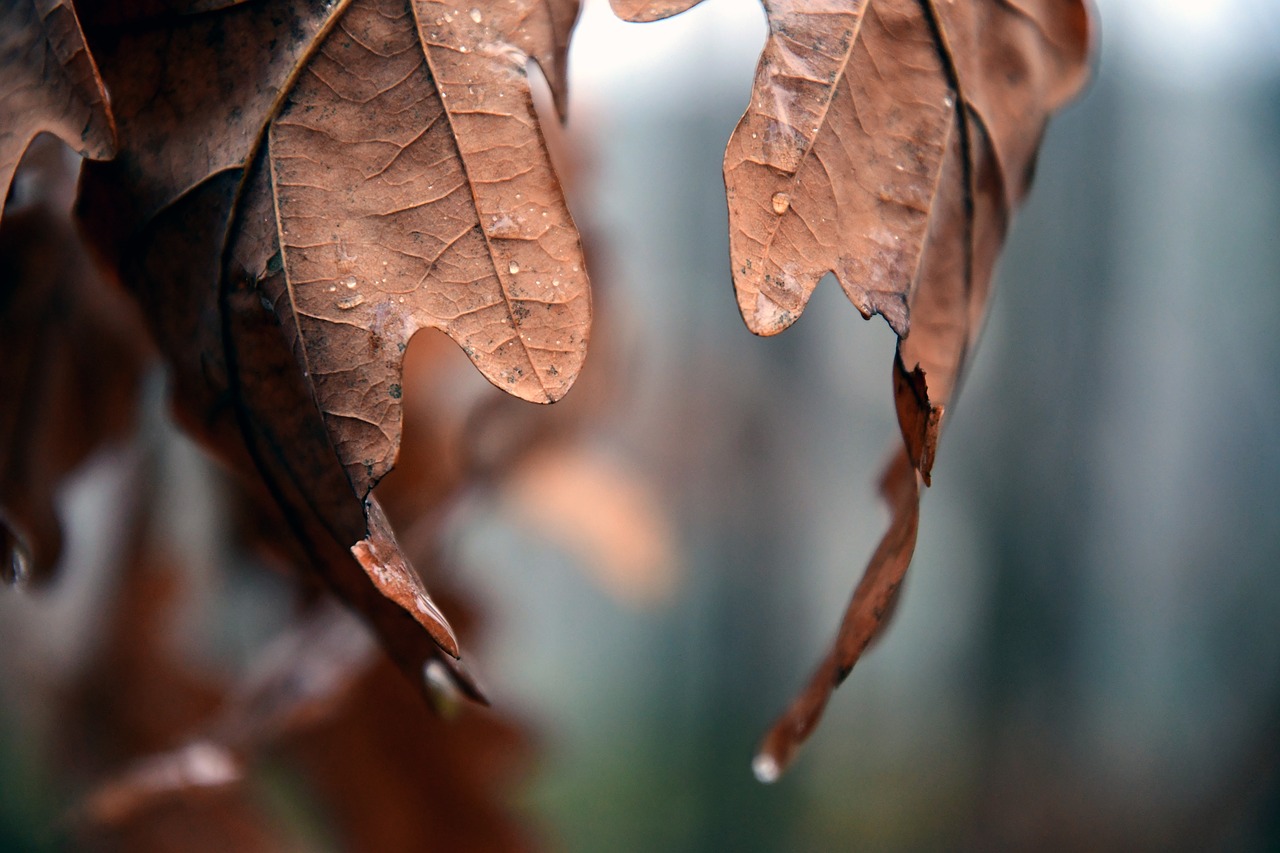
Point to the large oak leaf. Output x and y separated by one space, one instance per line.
887 142
412 189
331 177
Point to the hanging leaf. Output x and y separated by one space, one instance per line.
330 178
411 190
887 142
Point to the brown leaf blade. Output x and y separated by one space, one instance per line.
428 203
50 84
275 151
942 331
1014 63
836 162
837 159
888 142
544 36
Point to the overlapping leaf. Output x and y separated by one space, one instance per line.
50 84
72 353
332 177
887 142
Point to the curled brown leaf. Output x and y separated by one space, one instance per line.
871 605
887 142
328 179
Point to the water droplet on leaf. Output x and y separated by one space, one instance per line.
766 768
441 688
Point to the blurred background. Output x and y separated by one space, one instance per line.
1087 649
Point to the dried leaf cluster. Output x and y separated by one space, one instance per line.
288 190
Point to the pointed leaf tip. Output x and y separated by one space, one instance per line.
381 558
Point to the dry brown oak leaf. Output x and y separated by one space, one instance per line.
332 177
887 142
48 84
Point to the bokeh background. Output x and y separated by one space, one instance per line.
1087 651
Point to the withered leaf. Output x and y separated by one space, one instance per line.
1013 65
331 178
887 142
50 84
412 189
72 354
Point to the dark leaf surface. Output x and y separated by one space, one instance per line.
50 84
72 352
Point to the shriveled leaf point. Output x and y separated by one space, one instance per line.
870 606
381 558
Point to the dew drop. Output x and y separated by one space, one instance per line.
349 302
514 268
476 16
766 768
441 689
781 202
19 563
349 281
